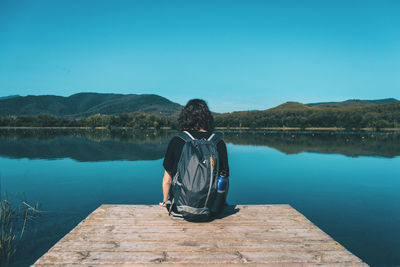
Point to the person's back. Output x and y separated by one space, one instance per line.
197 123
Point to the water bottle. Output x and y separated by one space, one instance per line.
220 197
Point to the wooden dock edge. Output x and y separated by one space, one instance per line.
144 235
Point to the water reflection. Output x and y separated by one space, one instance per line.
83 145
345 143
103 145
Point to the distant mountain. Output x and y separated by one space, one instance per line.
9 96
290 106
352 103
86 104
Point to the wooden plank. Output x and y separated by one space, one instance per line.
205 235
111 257
193 228
166 264
117 258
241 245
144 235
146 209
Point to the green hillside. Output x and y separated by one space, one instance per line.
353 103
294 114
87 104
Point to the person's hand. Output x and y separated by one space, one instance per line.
162 204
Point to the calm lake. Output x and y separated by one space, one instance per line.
348 184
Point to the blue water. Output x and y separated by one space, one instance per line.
355 200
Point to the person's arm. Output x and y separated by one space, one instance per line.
166 185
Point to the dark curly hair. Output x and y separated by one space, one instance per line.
195 116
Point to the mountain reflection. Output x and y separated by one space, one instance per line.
104 145
83 145
345 143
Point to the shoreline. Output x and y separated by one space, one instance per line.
283 129
80 128
335 129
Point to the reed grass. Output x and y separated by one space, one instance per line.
13 221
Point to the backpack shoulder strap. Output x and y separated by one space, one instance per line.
186 136
214 138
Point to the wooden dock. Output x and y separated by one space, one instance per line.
144 235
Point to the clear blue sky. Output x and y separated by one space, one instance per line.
238 55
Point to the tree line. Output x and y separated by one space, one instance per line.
134 120
301 116
373 116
